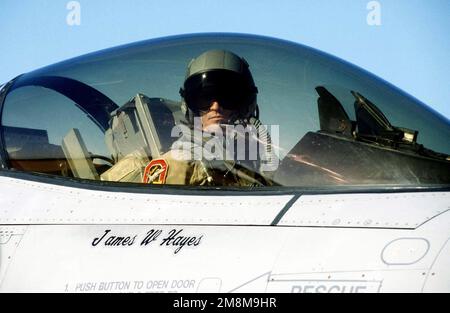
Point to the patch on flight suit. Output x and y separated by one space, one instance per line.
156 172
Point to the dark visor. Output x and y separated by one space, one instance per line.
230 89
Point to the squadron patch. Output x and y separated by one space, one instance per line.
156 172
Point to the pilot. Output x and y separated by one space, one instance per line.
218 93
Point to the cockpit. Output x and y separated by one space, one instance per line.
326 123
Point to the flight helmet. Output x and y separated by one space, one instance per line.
223 76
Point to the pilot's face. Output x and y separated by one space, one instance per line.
216 114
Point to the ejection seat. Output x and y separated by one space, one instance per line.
140 130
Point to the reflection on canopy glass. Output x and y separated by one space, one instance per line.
222 110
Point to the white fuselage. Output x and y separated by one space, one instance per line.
62 239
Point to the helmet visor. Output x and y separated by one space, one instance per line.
228 88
